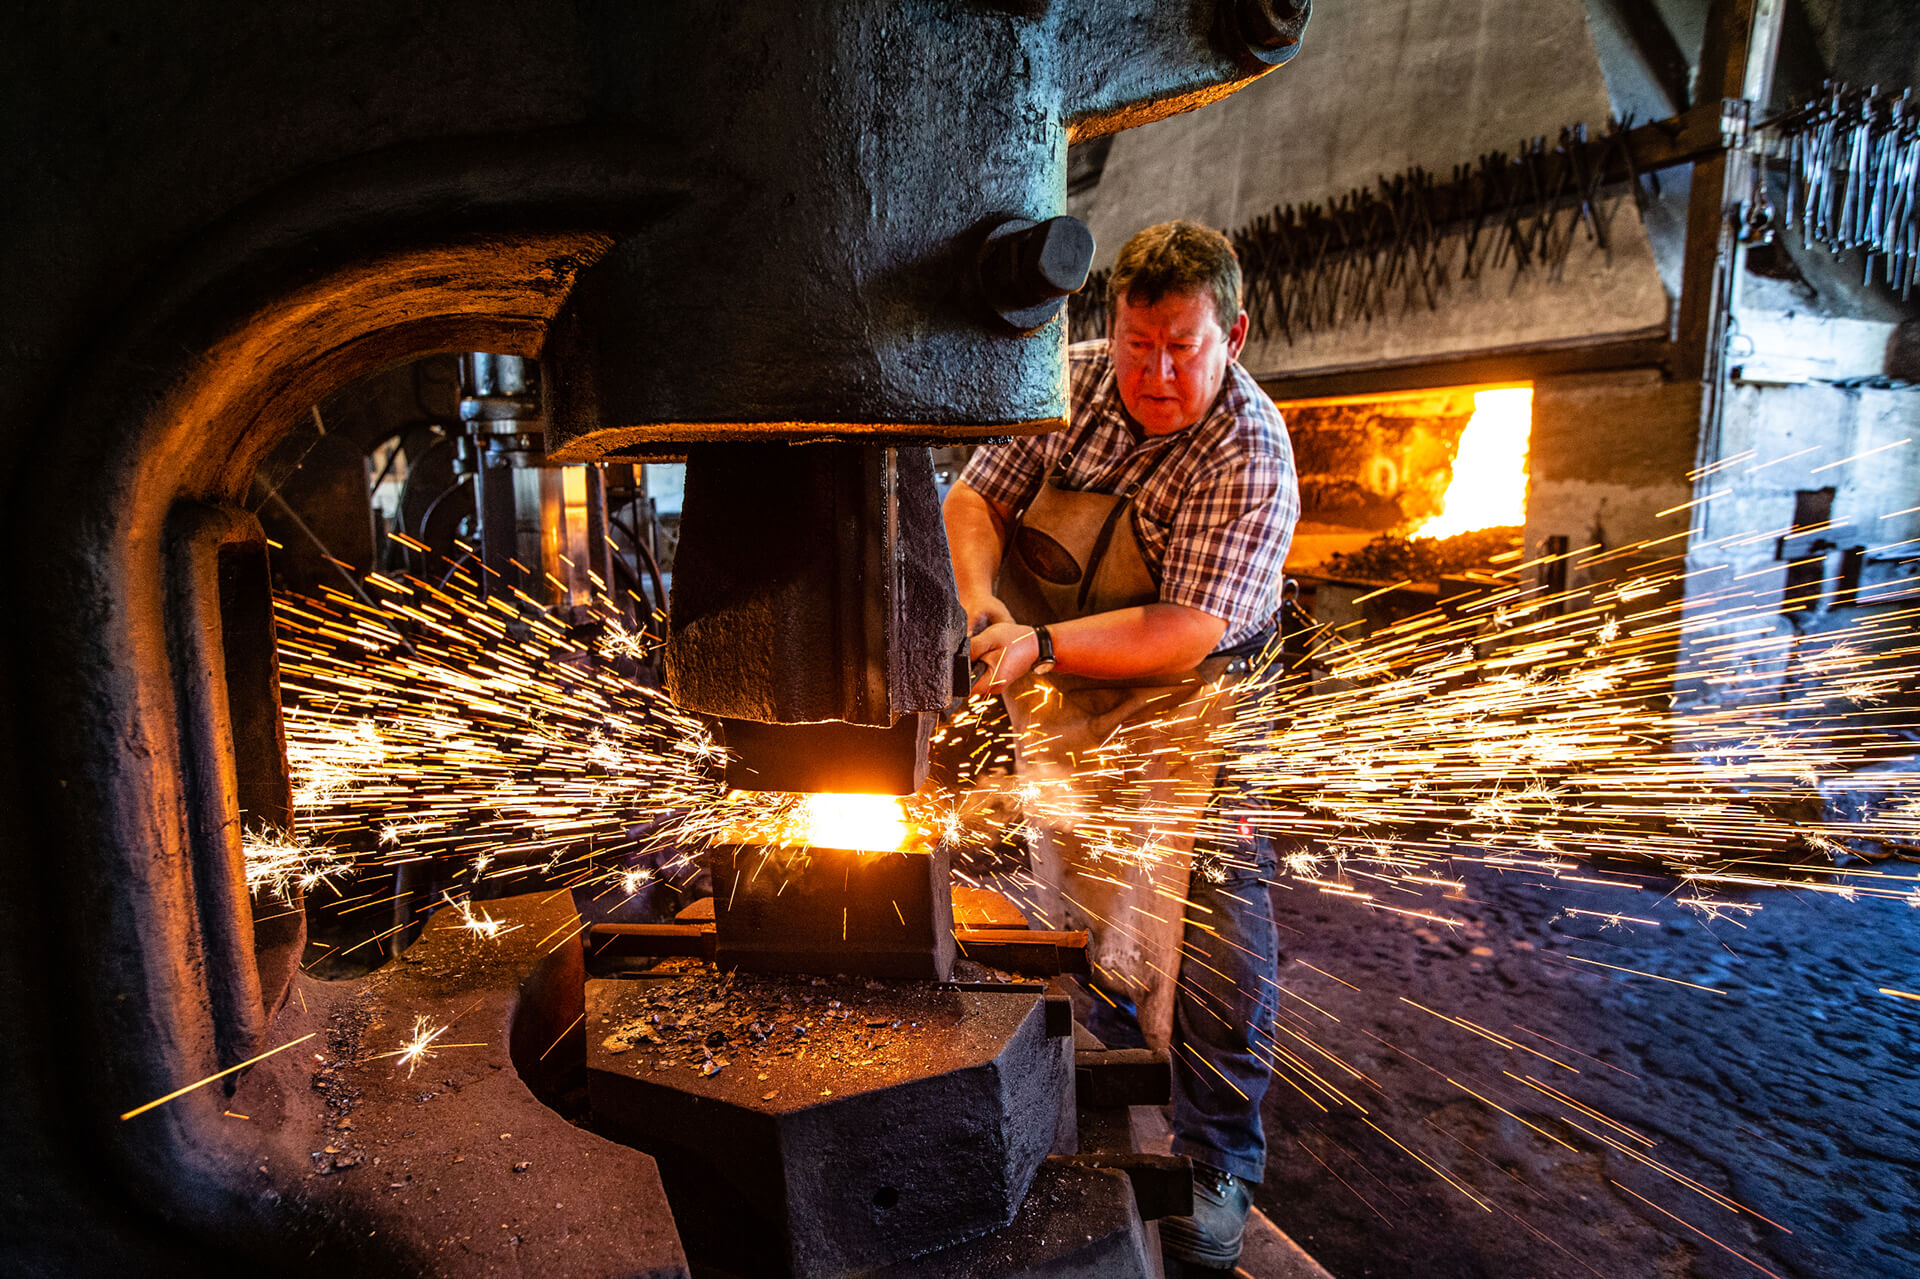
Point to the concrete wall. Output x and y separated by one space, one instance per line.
1377 88
1866 41
1609 453
1777 441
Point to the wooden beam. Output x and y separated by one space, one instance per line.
1483 368
1736 65
1736 68
1698 133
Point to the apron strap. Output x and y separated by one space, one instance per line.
1100 543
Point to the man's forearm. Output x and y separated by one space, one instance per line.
1152 639
1127 643
976 536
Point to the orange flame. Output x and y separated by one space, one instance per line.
1489 485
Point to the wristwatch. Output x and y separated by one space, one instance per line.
1043 663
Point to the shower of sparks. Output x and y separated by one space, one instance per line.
479 923
437 725
422 1045
1525 732
1537 735
277 863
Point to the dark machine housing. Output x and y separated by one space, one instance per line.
792 238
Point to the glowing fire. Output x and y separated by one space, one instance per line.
869 823
1489 485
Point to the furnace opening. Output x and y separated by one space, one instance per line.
1403 494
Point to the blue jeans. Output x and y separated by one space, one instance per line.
1223 1011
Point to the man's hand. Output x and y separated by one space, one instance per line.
1127 643
983 613
1008 649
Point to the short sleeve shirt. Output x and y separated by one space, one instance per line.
1215 504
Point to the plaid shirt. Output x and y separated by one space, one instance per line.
1215 505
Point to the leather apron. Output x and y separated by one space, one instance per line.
1116 774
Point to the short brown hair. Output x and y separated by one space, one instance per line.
1177 257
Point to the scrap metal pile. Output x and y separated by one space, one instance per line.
1392 558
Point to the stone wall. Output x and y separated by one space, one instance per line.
1609 454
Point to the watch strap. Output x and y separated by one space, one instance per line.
1044 662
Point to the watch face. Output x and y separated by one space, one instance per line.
1040 668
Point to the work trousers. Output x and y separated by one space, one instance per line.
1224 1010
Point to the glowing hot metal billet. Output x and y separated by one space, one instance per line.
833 910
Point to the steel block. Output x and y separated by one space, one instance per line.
1079 1222
851 1125
829 911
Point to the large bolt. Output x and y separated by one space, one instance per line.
1028 268
1272 28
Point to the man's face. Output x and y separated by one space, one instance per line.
1171 357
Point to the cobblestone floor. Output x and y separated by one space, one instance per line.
1791 1086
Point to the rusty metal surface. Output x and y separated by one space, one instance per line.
215 650
836 286
1076 1223
1122 1077
1162 1184
993 957
830 756
829 910
451 1167
977 907
812 582
856 1122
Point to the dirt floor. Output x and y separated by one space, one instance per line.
1789 1086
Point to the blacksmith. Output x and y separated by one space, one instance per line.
1117 575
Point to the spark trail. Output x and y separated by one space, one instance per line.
1530 733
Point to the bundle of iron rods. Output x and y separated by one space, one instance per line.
1852 158
1852 162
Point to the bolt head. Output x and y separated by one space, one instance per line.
1027 268
1272 28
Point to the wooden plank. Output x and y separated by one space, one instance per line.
1697 133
